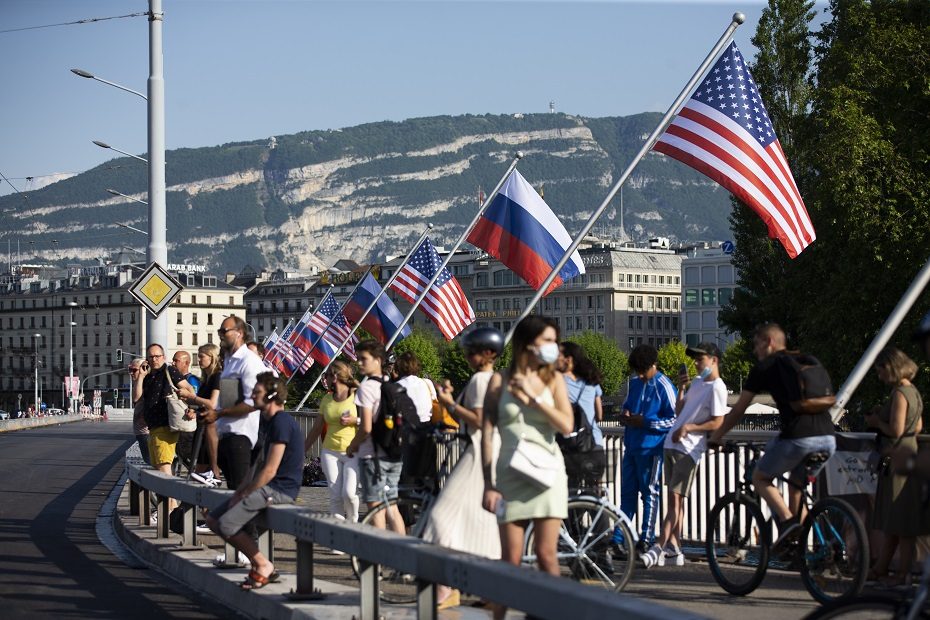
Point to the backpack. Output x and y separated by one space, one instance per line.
397 417
582 437
815 390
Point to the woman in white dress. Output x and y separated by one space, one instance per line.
457 520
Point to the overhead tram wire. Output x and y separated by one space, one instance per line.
89 20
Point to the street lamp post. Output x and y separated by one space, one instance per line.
104 145
71 305
35 338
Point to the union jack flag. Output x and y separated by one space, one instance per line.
445 303
724 132
330 314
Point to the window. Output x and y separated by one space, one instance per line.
630 321
96 318
650 303
109 339
194 322
651 322
639 302
482 304
180 339
194 339
724 295
691 297
96 340
209 316
109 359
631 302
590 322
557 304
179 320
84 356
85 340
708 297
61 341
209 337
503 277
639 322
231 301
579 325
708 274
132 317
120 321
109 318
481 279
120 338
674 303
193 298
639 278
600 322
209 299
497 305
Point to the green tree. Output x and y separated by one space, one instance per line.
607 357
425 346
736 363
671 357
454 367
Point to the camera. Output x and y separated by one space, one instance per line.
145 366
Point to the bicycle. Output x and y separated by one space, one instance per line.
832 551
414 501
597 542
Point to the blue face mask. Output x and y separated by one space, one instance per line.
705 373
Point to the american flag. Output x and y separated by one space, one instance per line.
339 328
724 132
273 356
445 303
309 343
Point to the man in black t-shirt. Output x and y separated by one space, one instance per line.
277 482
801 434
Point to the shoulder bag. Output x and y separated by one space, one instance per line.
534 462
177 408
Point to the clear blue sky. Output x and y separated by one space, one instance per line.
248 69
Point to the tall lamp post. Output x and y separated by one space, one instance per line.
35 338
71 306
156 328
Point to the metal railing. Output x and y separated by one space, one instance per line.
539 594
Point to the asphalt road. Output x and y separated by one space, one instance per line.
53 481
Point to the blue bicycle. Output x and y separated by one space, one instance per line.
832 551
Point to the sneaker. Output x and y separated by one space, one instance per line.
787 531
154 517
220 560
654 557
642 546
672 557
202 528
206 479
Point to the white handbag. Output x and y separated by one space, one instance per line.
536 463
177 408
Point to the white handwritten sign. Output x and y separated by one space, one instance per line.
848 473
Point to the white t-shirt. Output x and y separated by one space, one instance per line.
243 366
473 396
419 393
368 395
703 401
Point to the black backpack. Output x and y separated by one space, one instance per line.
582 436
397 417
814 390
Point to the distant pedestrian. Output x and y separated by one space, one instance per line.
648 415
583 381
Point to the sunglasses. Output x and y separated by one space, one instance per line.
222 331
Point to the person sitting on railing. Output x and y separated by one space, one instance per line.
699 410
277 482
802 434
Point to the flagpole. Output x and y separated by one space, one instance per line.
317 341
275 356
738 18
371 306
517 157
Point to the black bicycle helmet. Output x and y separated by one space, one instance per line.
484 339
923 329
390 359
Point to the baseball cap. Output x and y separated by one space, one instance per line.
704 348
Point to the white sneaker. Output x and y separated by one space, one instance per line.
154 518
202 528
673 557
653 557
220 559
206 479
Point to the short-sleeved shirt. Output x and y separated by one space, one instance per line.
584 394
777 376
244 366
209 384
338 436
194 381
419 393
282 428
703 401
155 388
368 396
476 389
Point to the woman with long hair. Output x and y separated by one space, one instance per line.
527 403
898 500
583 381
207 397
340 415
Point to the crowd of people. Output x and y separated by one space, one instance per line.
506 417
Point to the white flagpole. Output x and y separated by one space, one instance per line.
738 18
516 159
371 306
317 341
894 319
279 340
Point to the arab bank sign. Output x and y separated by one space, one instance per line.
178 268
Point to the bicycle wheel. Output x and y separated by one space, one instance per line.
588 551
394 586
835 557
737 544
866 608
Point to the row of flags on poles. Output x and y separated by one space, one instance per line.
723 131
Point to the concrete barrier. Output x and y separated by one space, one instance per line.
23 423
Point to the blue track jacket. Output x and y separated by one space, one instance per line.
655 401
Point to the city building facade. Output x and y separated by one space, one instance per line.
709 281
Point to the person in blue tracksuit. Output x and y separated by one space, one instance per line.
648 415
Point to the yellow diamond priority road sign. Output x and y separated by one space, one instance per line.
155 289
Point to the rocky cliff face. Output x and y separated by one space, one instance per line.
360 193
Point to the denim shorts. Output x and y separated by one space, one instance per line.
782 455
379 479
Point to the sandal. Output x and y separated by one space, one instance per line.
256 581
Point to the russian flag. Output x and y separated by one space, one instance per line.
383 319
520 230
307 339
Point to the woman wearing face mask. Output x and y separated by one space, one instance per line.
339 414
527 402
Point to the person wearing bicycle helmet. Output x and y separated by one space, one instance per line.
457 520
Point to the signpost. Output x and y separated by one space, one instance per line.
155 289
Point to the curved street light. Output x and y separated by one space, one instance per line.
104 145
116 193
91 76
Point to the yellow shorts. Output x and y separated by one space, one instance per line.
162 442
